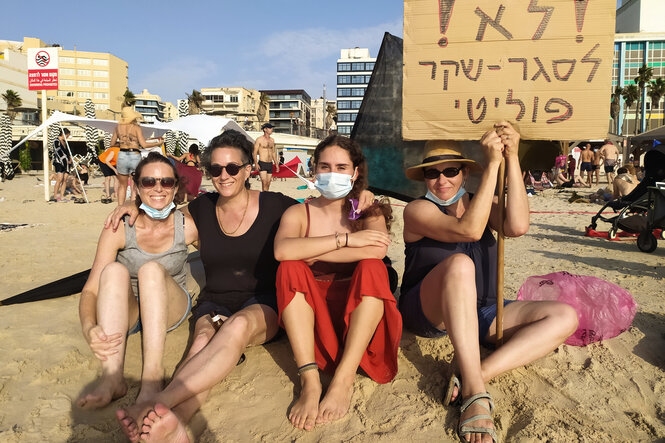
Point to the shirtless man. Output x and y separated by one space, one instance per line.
586 157
610 155
264 148
625 181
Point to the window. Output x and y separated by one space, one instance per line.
344 129
357 66
369 66
100 73
358 92
66 60
84 72
84 83
67 71
343 92
65 93
101 95
341 67
84 95
233 98
343 79
360 79
101 84
100 62
101 106
83 61
346 117
65 82
344 104
355 104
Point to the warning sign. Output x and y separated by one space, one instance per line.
42 68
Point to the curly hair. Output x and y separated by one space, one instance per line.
155 157
229 139
381 207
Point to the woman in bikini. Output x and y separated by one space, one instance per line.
333 288
128 136
191 158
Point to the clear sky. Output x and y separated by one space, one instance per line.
173 47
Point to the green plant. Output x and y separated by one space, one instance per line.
24 157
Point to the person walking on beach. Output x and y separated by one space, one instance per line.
265 156
597 162
610 155
61 163
586 165
449 283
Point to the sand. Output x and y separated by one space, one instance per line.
613 390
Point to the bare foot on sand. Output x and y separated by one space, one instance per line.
149 389
304 412
336 402
128 425
106 390
162 425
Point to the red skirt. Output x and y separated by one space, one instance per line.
333 302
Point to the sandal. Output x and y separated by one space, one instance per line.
464 429
453 382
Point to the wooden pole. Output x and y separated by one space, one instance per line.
45 162
501 183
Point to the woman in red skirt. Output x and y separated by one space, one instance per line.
333 290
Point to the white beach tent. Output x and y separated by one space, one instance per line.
202 127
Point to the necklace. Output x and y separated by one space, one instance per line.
221 225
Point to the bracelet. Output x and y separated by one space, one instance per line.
307 367
347 240
337 243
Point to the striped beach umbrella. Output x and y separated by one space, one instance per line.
183 111
170 142
53 132
91 134
5 146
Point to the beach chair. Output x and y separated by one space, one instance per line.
530 181
631 211
546 183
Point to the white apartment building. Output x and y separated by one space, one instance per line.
150 106
238 103
354 69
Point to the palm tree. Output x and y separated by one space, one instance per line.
13 101
128 98
644 75
615 107
656 91
630 95
263 107
195 100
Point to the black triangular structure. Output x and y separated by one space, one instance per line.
378 127
59 288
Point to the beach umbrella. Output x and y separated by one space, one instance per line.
169 142
202 127
5 146
183 111
91 135
59 288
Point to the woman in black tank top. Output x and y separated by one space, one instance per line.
449 282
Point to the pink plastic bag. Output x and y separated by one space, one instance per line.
604 310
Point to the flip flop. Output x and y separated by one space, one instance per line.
453 382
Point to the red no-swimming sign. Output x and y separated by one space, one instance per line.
42 68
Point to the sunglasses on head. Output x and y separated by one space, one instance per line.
232 169
432 174
150 182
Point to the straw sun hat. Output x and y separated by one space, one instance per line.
128 115
441 151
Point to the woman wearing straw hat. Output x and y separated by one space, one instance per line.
449 283
128 136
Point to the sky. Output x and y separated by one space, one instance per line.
174 47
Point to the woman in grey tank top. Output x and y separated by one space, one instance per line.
137 283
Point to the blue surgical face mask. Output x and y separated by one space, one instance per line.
430 196
157 214
333 185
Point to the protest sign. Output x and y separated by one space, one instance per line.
545 65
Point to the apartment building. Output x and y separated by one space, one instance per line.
290 111
14 76
238 103
354 69
320 115
98 76
150 106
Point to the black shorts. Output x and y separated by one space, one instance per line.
106 170
265 166
60 168
586 166
205 307
609 167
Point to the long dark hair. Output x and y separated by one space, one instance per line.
381 207
229 139
155 157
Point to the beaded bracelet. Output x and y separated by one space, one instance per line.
307 367
337 243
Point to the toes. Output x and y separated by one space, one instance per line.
161 409
309 423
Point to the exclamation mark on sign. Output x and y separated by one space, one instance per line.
580 11
445 11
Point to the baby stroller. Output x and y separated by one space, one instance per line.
639 212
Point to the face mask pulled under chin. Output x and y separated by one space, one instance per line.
333 185
157 214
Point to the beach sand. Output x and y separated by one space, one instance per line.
608 391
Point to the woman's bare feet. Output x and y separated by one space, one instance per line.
337 400
106 390
131 418
305 411
149 389
162 425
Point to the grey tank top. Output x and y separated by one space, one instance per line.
173 260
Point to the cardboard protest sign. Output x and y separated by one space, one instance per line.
545 65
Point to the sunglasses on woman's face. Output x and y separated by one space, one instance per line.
432 174
232 169
150 182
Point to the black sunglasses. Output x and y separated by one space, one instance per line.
432 174
150 182
232 169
